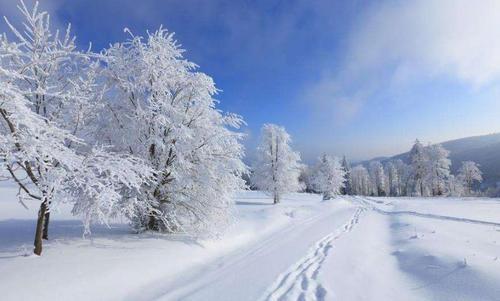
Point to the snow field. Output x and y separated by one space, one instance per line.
347 248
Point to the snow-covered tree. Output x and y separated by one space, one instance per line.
328 176
378 178
469 173
162 110
360 180
455 186
305 179
347 183
277 167
47 100
438 168
404 174
418 163
402 177
493 191
393 179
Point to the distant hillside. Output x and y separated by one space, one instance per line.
484 150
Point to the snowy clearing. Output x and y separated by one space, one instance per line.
348 248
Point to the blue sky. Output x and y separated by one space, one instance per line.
360 78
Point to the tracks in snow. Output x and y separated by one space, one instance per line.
197 284
366 202
300 282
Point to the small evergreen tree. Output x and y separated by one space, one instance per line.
348 182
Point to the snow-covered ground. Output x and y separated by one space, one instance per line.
348 248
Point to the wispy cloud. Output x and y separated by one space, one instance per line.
397 43
330 101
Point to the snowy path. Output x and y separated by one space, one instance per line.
300 282
247 273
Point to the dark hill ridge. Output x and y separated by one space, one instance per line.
484 150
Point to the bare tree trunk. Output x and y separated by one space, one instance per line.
39 228
276 198
46 226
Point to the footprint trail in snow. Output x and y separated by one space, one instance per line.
300 282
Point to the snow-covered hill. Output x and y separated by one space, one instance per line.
348 248
484 150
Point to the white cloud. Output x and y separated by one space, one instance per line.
457 38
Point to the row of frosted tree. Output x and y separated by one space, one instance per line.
278 170
427 173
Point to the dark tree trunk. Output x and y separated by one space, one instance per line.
153 223
276 199
39 228
46 226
